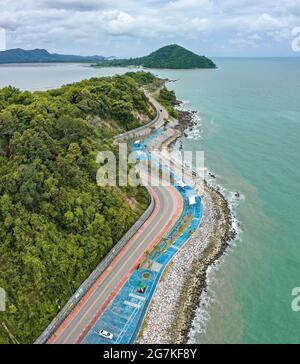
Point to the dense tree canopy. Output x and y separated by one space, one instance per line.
56 224
168 99
171 56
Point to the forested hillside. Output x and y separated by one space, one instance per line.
19 55
56 224
172 56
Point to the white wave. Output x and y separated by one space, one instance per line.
208 295
195 131
185 102
201 318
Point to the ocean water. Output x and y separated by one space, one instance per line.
250 132
44 76
249 129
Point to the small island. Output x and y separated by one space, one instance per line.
171 56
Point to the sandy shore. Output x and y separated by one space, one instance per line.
172 309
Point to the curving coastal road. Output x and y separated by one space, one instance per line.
168 207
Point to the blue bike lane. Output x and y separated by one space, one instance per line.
124 316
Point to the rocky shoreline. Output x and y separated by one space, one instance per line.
185 118
171 313
196 277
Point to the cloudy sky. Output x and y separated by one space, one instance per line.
136 27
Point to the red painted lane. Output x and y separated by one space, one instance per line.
129 245
124 280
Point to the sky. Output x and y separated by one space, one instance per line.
129 28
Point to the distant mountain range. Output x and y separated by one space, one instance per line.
171 56
19 55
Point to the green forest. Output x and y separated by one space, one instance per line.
56 224
168 99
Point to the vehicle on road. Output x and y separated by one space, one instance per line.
106 334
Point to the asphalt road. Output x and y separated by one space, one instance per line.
166 206
158 122
162 112
88 309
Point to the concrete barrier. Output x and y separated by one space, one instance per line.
87 284
142 130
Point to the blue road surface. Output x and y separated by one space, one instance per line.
125 314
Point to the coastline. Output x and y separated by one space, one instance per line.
195 279
178 295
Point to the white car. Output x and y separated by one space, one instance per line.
106 334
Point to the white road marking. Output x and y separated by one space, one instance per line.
137 297
135 305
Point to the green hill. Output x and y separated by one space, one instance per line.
171 56
56 224
41 55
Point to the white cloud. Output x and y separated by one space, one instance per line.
60 23
264 22
187 5
118 22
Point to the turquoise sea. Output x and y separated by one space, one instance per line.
250 132
249 128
